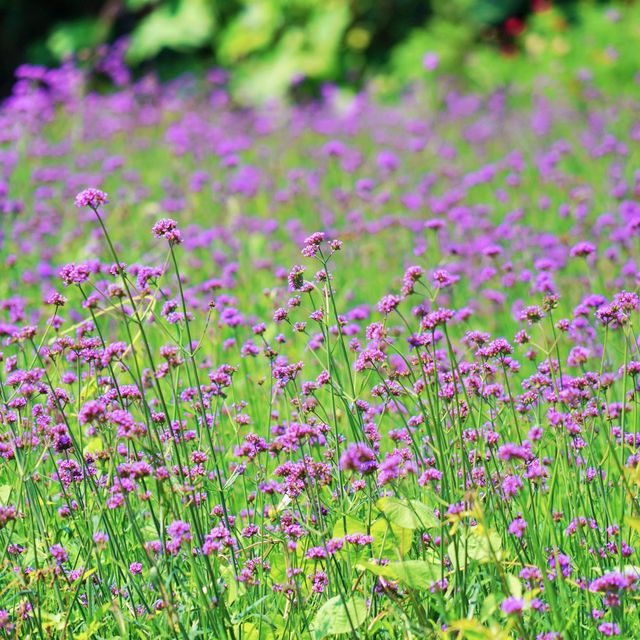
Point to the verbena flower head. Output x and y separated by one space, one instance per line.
582 249
312 244
388 303
430 61
296 278
513 606
167 229
92 198
360 458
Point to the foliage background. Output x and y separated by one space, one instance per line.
274 47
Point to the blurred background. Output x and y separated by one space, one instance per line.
276 48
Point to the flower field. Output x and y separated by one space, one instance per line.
345 368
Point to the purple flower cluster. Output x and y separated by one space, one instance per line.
168 230
92 198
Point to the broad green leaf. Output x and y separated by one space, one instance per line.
187 25
348 525
415 574
473 544
382 570
323 35
70 37
483 546
390 541
489 607
93 445
5 492
457 555
252 29
471 629
337 616
248 631
233 591
633 522
136 5
311 49
410 514
515 586
90 632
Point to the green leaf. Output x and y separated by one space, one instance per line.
348 525
5 492
189 25
310 47
68 38
483 546
515 586
248 631
489 607
136 5
415 574
410 514
474 544
633 522
93 445
232 585
323 35
251 30
336 616
390 541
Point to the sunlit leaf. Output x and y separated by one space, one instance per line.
415 574
390 541
337 616
189 25
410 514
5 492
253 28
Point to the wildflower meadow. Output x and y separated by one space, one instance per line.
355 368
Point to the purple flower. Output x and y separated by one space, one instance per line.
5 621
388 304
609 629
312 244
296 278
179 533
59 553
7 514
517 527
74 274
168 229
411 276
218 539
443 279
101 539
430 61
92 411
613 582
513 606
55 299
430 475
582 249
358 457
92 198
